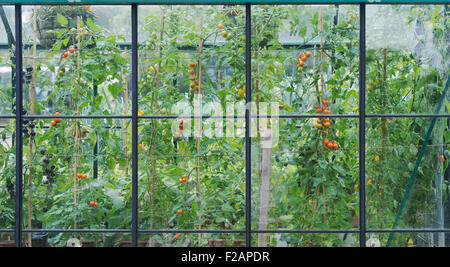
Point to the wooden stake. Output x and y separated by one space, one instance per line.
323 97
158 68
75 181
124 78
265 186
32 99
258 134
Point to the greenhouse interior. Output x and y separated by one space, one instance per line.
224 123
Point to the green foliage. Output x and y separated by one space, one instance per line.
311 186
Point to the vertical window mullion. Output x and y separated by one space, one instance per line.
248 99
134 113
362 124
18 110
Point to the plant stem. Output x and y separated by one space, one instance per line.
125 130
158 67
199 120
323 97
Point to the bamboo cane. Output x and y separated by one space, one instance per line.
125 137
75 181
323 97
32 99
158 68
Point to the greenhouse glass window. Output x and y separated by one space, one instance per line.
224 123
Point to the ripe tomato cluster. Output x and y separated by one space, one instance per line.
66 54
325 123
194 82
183 179
93 204
82 175
55 121
302 58
330 144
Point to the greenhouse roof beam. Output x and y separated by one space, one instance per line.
218 2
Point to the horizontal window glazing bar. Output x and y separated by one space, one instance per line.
218 2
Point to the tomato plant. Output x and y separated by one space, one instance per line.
305 64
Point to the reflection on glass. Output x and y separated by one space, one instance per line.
305 56
186 53
189 183
304 181
191 240
55 239
307 240
406 240
7 69
191 62
75 60
407 182
77 174
407 65
7 175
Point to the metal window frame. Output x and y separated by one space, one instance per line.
248 231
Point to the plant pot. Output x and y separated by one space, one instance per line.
7 244
39 240
87 244
125 243
223 243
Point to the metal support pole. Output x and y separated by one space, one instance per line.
248 144
19 136
362 125
95 163
11 41
134 113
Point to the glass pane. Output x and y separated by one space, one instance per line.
7 37
408 240
94 153
6 239
190 54
75 60
7 173
306 240
407 65
192 240
306 57
299 182
55 239
190 183
393 152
